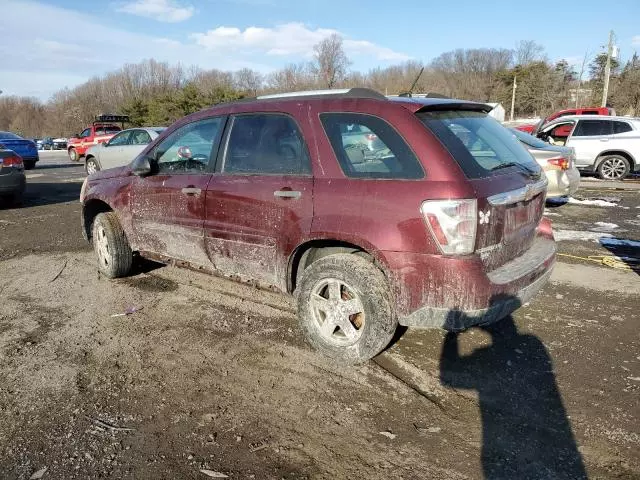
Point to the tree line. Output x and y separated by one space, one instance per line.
156 93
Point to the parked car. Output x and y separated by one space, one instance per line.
609 146
45 143
121 149
534 128
101 130
442 227
26 149
557 162
60 143
12 178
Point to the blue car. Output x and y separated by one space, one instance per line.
27 149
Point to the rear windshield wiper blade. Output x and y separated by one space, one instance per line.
505 165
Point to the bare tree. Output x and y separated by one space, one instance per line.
247 80
293 77
331 62
528 52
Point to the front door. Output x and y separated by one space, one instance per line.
112 150
260 205
168 206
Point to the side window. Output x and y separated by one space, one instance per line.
266 143
566 114
368 147
140 137
189 148
120 139
592 128
590 112
621 127
85 133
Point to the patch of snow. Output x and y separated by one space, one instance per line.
583 235
595 202
551 214
606 225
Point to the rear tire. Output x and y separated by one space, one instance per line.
111 246
345 308
614 167
29 164
73 155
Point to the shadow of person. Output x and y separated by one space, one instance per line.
526 433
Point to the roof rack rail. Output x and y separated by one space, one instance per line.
344 92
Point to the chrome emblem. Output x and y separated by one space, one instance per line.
484 217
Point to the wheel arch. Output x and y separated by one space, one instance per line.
90 209
312 250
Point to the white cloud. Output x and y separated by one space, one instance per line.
162 10
54 57
289 39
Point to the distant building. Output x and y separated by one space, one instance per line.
497 112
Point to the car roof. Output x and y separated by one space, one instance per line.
411 103
606 118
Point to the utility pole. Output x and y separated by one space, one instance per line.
584 62
513 98
607 70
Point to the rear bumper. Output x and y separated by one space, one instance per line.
26 158
437 291
13 182
562 183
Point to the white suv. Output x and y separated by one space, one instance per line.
609 146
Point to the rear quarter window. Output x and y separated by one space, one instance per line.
367 146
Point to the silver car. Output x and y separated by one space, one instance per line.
557 162
608 146
121 149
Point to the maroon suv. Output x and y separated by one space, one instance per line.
371 211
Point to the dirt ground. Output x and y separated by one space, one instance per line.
210 378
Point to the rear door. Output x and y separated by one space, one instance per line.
168 206
260 204
589 139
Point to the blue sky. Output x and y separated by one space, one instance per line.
49 44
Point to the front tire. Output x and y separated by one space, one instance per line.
345 308
111 246
614 167
73 155
91 166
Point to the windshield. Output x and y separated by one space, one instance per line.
479 144
107 129
527 139
9 136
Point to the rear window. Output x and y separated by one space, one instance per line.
366 146
107 130
479 144
529 140
9 136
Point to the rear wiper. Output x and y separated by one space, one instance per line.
505 165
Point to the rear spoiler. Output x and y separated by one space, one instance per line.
457 105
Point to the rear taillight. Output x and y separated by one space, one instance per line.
14 161
452 224
561 162
371 137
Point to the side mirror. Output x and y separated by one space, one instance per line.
141 166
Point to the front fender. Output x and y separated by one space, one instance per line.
101 195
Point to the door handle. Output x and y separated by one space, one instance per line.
191 191
287 194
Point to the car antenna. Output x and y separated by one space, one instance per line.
413 85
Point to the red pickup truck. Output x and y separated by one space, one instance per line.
533 128
100 131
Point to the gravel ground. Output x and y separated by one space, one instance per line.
209 377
